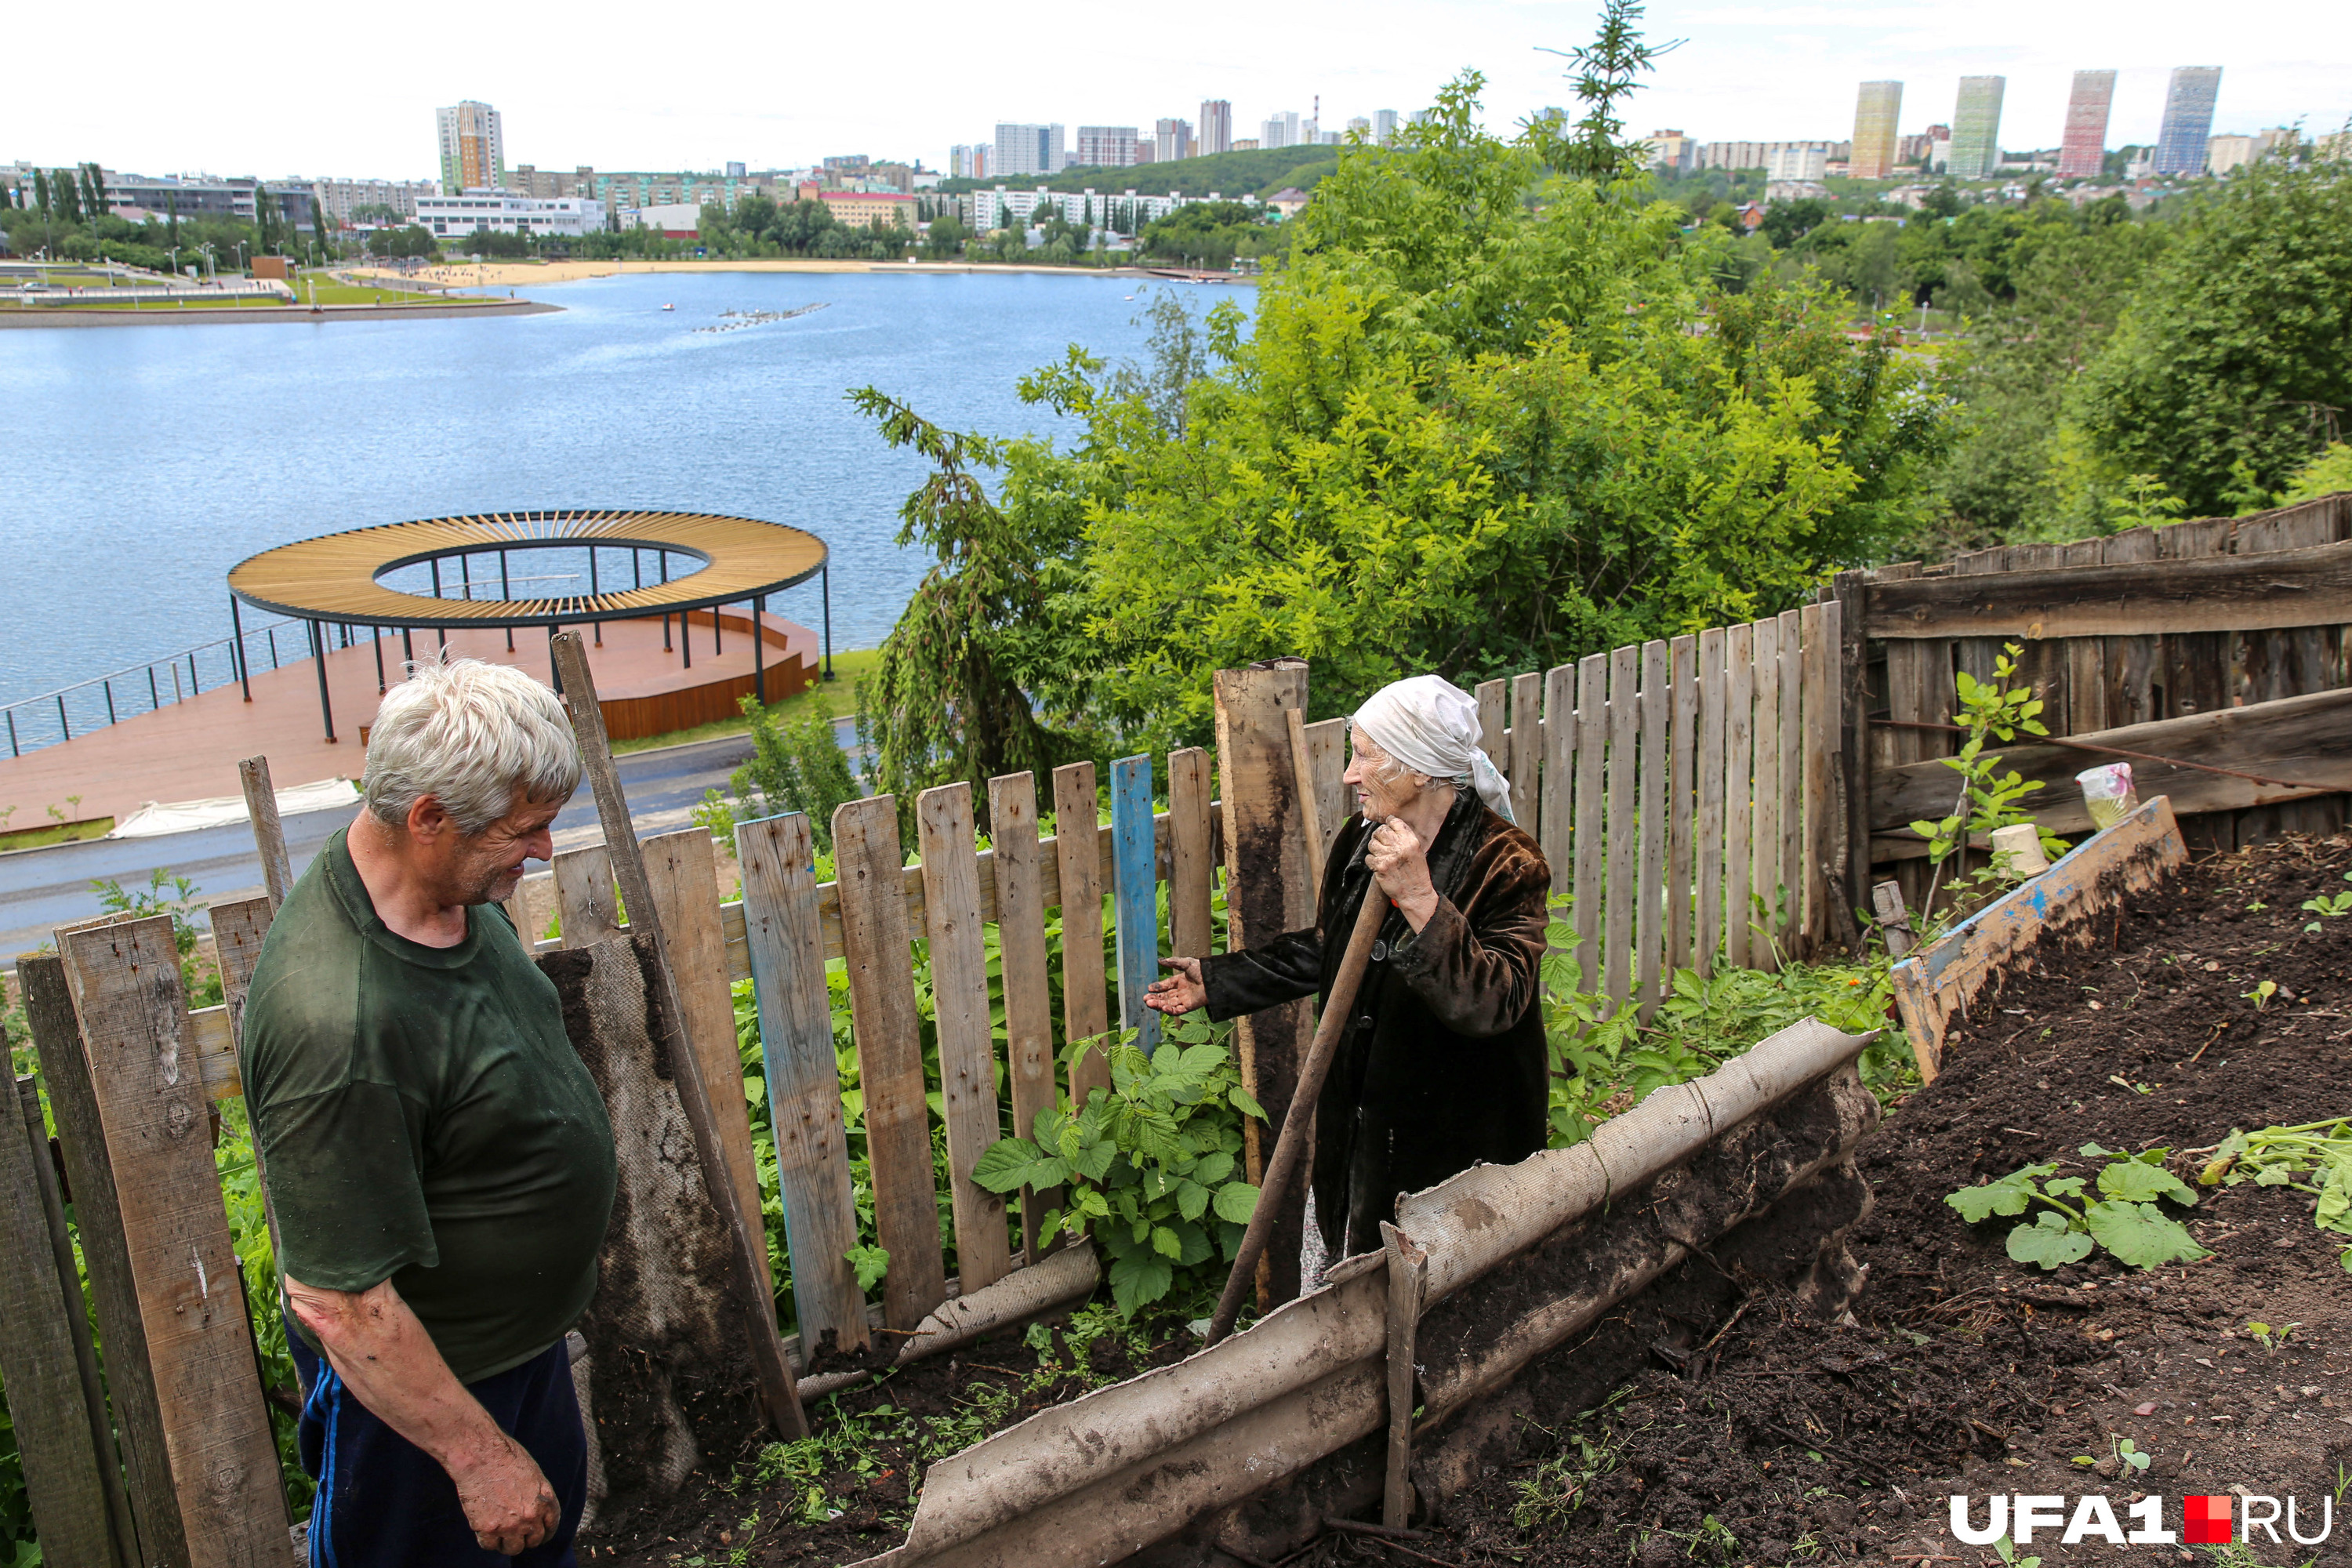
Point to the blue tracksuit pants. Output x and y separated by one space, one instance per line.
384 1503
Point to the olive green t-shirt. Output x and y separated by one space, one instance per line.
423 1117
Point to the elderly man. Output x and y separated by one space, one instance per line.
437 1158
1445 1063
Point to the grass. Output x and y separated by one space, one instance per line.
55 833
834 698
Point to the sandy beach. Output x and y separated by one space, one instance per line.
536 274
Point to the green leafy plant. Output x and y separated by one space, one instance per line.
2125 1218
2128 1455
1987 799
2329 905
1152 1165
2314 1157
2006 1550
2261 994
871 1261
796 764
2271 1338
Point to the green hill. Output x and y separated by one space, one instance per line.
1258 174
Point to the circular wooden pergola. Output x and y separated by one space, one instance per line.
337 580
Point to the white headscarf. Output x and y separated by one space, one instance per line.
1430 725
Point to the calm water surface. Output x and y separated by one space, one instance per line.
143 463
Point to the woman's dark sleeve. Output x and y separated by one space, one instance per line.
1267 975
1481 972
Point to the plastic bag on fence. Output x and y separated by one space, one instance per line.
2107 793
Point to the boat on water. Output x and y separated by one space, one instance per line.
670 307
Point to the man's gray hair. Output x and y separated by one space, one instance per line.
478 738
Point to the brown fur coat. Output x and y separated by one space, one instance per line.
1444 1064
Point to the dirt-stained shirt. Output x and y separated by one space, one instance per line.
421 1117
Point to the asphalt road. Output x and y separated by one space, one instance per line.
43 889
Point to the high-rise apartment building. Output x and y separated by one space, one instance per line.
1216 127
1672 152
1876 113
1280 131
969 161
2187 120
2082 152
1384 126
1795 162
473 148
1171 140
1026 150
1975 128
1106 146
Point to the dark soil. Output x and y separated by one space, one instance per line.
850 1494
1958 1371
1965 1372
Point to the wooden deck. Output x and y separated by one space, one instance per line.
189 751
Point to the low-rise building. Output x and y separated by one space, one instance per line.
507 211
857 209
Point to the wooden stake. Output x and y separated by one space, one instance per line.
770 1371
269 832
1408 1279
1303 766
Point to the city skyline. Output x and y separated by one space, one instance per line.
567 98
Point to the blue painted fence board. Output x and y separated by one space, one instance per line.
1135 894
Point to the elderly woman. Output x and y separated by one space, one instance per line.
1443 1064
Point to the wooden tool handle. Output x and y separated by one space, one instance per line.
1290 1149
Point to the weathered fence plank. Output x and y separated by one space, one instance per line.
587 910
1657 703
1493 697
967 1038
224 1458
1527 749
1822 720
1624 715
1267 892
1712 676
1191 867
1335 803
1558 807
1764 821
1591 849
1086 993
787 955
1027 978
1740 778
1134 895
2198 590
682 870
44 1349
1681 785
106 1254
1788 910
867 860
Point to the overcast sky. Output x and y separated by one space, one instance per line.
350 91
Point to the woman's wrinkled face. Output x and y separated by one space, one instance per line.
1384 786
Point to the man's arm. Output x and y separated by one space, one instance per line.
376 1345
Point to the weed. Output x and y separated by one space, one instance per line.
2329 905
2006 1550
2125 1218
2278 1156
2261 994
2272 1340
176 897
2129 1454
1987 800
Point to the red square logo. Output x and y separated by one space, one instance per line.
2205 1520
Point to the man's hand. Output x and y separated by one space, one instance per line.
1182 991
1400 863
373 1340
506 1498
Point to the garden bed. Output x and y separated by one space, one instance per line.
847 1492
1964 1371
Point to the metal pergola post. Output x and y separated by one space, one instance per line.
825 579
408 651
237 641
375 636
318 652
758 650
506 592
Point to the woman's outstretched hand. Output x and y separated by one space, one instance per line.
1182 991
1400 863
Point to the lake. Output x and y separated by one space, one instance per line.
142 463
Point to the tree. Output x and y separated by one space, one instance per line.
1787 222
945 700
2237 353
41 189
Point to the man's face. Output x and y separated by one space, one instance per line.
487 868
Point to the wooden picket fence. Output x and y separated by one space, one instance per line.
1684 790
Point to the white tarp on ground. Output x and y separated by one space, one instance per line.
152 821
